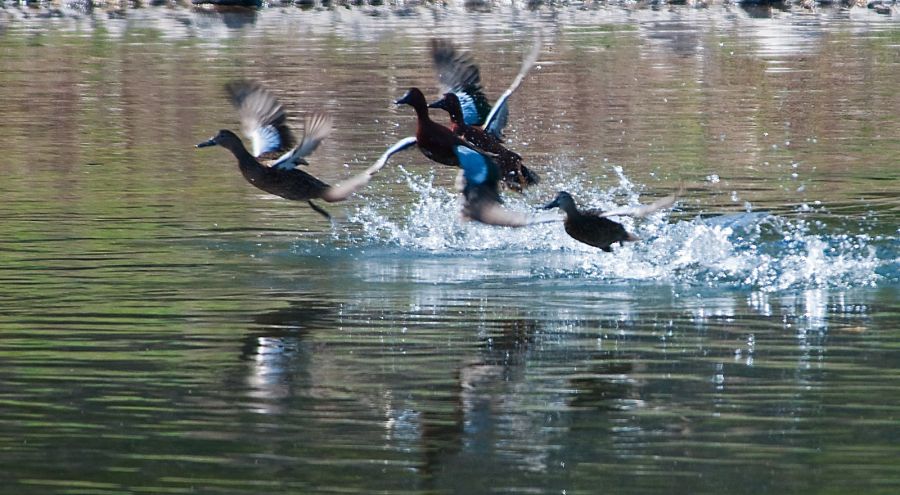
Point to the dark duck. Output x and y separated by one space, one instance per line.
272 164
593 228
480 175
472 116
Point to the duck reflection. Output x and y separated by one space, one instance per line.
463 413
479 401
606 386
278 352
493 417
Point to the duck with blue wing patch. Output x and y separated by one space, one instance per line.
514 173
460 75
263 120
480 172
460 78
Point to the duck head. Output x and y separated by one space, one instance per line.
224 138
414 97
563 200
450 103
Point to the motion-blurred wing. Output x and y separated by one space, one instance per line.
477 168
459 74
639 211
263 119
318 127
496 119
343 190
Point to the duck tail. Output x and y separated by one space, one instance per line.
529 176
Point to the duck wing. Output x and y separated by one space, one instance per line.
458 73
477 167
263 119
639 211
482 203
318 127
481 194
343 190
495 122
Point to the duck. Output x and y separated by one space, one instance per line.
514 173
480 176
272 163
458 73
592 227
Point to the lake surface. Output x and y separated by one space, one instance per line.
167 328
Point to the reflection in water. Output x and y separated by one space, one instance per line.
233 19
453 437
278 354
682 39
764 9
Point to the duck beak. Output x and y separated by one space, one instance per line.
204 144
631 237
442 104
552 204
402 101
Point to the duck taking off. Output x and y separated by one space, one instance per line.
471 116
272 165
458 73
514 173
480 174
593 228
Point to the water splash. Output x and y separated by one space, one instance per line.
752 249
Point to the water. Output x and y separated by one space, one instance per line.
166 328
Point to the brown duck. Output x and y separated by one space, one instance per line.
272 164
592 227
513 173
479 177
472 116
589 226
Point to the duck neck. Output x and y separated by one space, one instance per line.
456 116
570 209
422 113
244 158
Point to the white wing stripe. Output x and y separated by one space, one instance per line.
527 64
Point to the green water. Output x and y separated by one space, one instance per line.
167 328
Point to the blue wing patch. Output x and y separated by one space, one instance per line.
266 140
470 111
475 166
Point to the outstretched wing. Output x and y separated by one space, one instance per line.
343 190
263 119
496 119
318 127
493 213
458 73
639 211
483 204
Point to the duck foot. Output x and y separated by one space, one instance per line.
319 210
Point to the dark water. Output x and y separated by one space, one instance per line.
166 328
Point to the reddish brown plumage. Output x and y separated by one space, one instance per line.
434 140
514 173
